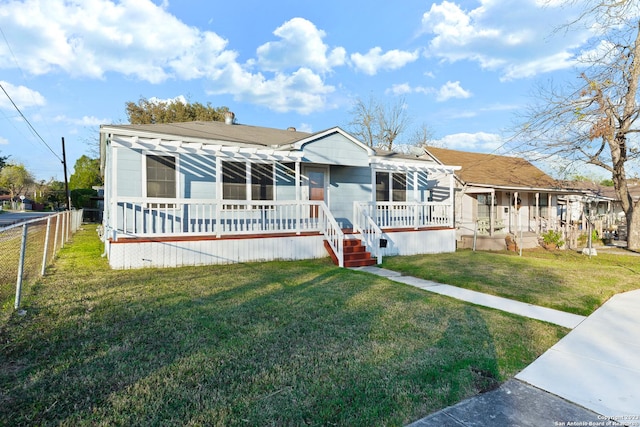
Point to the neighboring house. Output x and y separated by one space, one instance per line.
218 192
603 205
499 195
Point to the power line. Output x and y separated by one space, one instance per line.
29 123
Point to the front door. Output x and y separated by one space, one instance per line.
317 184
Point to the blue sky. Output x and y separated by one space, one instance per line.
463 68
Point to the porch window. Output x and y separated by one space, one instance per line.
399 187
161 176
261 181
234 181
391 186
543 205
484 205
382 186
236 175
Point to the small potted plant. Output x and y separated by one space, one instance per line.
552 239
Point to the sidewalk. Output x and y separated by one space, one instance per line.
556 317
590 377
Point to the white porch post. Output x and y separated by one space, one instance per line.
219 190
113 208
492 214
553 213
451 200
538 219
298 196
515 205
374 207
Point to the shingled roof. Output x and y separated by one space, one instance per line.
219 131
493 170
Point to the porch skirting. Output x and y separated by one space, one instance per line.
126 253
416 242
176 252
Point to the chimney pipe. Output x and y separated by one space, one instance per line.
229 117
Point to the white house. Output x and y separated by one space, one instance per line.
218 192
499 195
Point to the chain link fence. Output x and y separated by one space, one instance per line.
27 248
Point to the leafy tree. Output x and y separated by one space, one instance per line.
3 161
378 125
15 178
81 197
86 174
146 112
594 120
56 195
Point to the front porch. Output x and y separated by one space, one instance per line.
173 232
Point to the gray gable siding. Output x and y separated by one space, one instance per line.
347 185
335 149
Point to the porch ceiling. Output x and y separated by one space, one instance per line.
412 166
219 150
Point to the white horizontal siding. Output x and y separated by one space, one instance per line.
211 252
419 242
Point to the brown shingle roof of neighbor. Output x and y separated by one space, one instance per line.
491 169
220 131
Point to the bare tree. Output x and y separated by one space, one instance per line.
378 125
422 136
594 121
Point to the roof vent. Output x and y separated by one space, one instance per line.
291 129
229 117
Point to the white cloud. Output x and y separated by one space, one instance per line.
83 121
479 141
140 39
177 99
513 37
374 60
3 141
400 89
300 45
90 38
445 92
305 127
452 90
22 96
302 91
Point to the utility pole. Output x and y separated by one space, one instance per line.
66 181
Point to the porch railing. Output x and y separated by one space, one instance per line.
171 217
364 224
410 214
196 217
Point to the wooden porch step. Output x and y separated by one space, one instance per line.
355 254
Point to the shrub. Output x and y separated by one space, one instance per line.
552 238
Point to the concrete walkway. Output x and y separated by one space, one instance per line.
556 317
597 365
590 377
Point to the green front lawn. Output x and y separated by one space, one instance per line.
281 343
564 280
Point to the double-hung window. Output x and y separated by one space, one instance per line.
261 181
391 186
234 180
161 178
247 181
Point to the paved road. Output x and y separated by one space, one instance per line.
10 218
